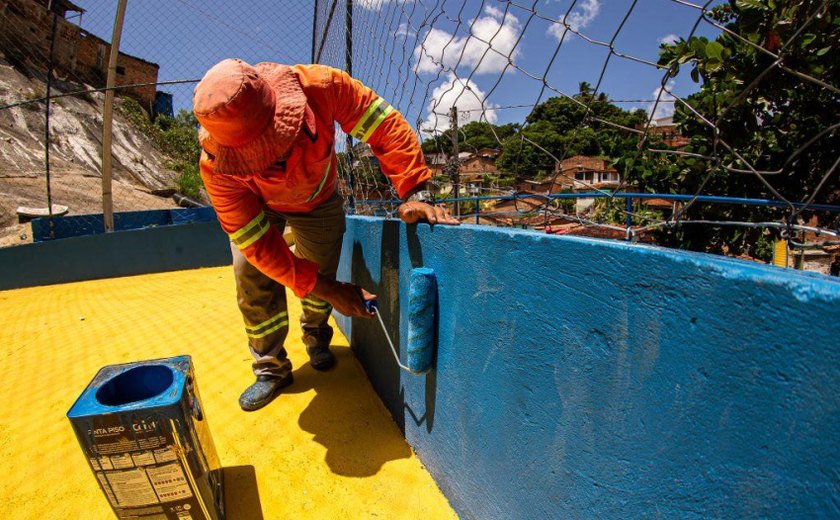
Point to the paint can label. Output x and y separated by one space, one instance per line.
138 465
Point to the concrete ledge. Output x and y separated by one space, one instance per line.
580 378
107 255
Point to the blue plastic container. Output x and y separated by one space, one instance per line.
146 439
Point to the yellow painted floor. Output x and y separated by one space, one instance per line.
325 449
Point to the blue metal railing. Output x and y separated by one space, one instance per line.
629 197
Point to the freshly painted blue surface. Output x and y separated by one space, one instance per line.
579 378
80 225
422 300
121 253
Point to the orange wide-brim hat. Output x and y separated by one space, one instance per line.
249 115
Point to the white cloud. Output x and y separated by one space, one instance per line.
669 39
404 30
440 49
665 107
578 19
466 96
495 12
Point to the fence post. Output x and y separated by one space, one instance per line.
53 6
326 31
107 119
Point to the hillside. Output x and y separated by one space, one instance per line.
75 151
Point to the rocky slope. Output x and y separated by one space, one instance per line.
75 152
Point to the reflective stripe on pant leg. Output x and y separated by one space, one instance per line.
318 237
262 302
315 305
265 340
313 321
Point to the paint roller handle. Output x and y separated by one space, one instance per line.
347 298
373 307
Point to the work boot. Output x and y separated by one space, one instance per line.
263 391
320 357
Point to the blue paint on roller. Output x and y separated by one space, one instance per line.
422 295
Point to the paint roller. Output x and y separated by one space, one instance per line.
422 295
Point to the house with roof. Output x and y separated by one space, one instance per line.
665 131
584 173
473 166
578 173
78 55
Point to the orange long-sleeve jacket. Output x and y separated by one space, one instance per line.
309 176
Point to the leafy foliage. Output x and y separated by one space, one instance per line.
472 137
565 128
762 112
177 137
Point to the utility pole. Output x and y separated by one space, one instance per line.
454 173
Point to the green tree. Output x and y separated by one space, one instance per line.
473 136
765 113
566 127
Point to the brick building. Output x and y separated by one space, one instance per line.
581 173
481 162
78 56
665 131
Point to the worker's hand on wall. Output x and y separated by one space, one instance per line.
346 298
412 212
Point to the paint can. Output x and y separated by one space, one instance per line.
145 437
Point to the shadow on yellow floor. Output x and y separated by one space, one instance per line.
332 418
242 495
326 448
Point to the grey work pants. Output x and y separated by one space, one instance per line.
262 301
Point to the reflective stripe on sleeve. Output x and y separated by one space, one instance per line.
250 232
370 121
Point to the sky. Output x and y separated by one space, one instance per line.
416 54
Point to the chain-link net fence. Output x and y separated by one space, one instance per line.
706 126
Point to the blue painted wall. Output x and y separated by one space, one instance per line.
122 253
80 225
579 378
